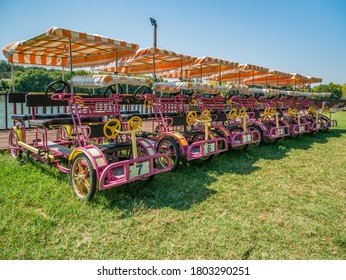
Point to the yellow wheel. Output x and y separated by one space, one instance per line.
290 112
229 102
148 103
325 110
232 114
191 117
273 111
312 110
266 112
205 115
242 112
192 101
111 128
83 177
295 111
135 123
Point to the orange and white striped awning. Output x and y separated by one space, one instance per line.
271 78
312 80
100 81
202 67
52 48
167 87
205 88
150 60
243 71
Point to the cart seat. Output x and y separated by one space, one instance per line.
25 117
61 121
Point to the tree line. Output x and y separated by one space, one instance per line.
35 79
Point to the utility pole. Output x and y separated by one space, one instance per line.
154 24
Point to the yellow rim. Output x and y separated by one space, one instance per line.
135 123
191 118
112 125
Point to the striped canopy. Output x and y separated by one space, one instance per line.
205 88
203 66
168 87
150 60
100 81
243 71
52 48
272 77
266 91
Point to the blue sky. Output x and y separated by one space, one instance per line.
296 36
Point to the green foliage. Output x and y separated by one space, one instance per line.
334 89
344 91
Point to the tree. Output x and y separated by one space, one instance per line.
344 91
334 89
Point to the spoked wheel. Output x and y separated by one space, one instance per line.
221 145
240 147
267 139
13 142
325 121
83 177
168 147
256 137
62 133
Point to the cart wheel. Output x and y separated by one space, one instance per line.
325 121
62 133
258 138
241 147
13 142
83 177
169 147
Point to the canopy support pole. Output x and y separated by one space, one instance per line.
71 66
12 75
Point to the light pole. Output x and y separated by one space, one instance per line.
154 24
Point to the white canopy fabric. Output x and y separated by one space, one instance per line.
100 81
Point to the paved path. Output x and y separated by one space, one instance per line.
30 135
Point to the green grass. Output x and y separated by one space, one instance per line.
280 201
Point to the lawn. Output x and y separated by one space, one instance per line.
279 201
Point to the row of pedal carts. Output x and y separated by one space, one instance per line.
195 109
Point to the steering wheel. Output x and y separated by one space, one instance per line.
325 110
233 113
205 115
56 88
266 112
112 125
112 89
143 90
188 92
192 101
191 117
148 103
312 110
242 112
135 123
273 111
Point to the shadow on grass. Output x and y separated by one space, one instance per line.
189 185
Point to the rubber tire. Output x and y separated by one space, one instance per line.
92 177
176 149
16 138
